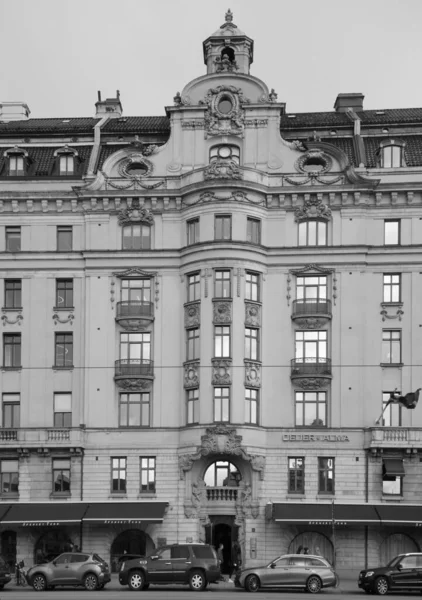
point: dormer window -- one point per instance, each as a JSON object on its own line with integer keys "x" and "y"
{"x": 66, "y": 161}
{"x": 226, "y": 152}
{"x": 16, "y": 161}
{"x": 67, "y": 166}
{"x": 391, "y": 154}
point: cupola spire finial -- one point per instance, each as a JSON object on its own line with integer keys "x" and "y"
{"x": 229, "y": 16}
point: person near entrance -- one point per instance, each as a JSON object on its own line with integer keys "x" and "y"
{"x": 220, "y": 559}
{"x": 235, "y": 560}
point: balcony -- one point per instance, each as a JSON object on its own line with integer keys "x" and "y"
{"x": 406, "y": 438}
{"x": 134, "y": 368}
{"x": 222, "y": 494}
{"x": 311, "y": 310}
{"x": 134, "y": 315}
{"x": 34, "y": 437}
{"x": 310, "y": 367}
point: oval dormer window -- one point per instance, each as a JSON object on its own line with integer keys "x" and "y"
{"x": 225, "y": 105}
{"x": 137, "y": 169}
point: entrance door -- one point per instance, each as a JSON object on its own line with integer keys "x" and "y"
{"x": 223, "y": 535}
{"x": 8, "y": 548}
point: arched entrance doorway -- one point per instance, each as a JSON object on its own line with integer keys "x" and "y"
{"x": 8, "y": 547}
{"x": 222, "y": 530}
{"x": 131, "y": 541}
{"x": 50, "y": 544}
{"x": 316, "y": 543}
{"x": 394, "y": 544}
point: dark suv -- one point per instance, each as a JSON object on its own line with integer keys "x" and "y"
{"x": 404, "y": 572}
{"x": 195, "y": 565}
{"x": 5, "y": 573}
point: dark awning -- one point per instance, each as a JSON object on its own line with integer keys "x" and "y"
{"x": 393, "y": 467}
{"x": 48, "y": 513}
{"x": 400, "y": 513}
{"x": 355, "y": 513}
{"x": 125, "y": 512}
{"x": 310, "y": 514}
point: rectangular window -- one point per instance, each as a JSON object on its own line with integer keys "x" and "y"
{"x": 392, "y": 487}
{"x": 326, "y": 475}
{"x": 118, "y": 474}
{"x": 221, "y": 341}
{"x": 67, "y": 164}
{"x": 192, "y": 399}
{"x": 194, "y": 287}
{"x": 223, "y": 227}
{"x": 221, "y": 404}
{"x": 312, "y": 288}
{"x": 311, "y": 346}
{"x": 391, "y": 346}
{"x": 63, "y": 410}
{"x": 313, "y": 233}
{"x": 16, "y": 166}
{"x": 63, "y": 356}
{"x": 9, "y": 477}
{"x": 147, "y": 474}
{"x": 392, "y": 416}
{"x": 11, "y": 411}
{"x": 392, "y": 288}
{"x": 252, "y": 287}
{"x": 64, "y": 293}
{"x": 251, "y": 406}
{"x": 222, "y": 287}
{"x": 253, "y": 231}
{"x": 137, "y": 237}
{"x": 192, "y": 344}
{"x": 296, "y": 475}
{"x": 136, "y": 291}
{"x": 135, "y": 350}
{"x": 13, "y": 239}
{"x": 391, "y": 157}
{"x": 311, "y": 409}
{"x": 61, "y": 475}
{"x": 12, "y": 350}
{"x": 64, "y": 238}
{"x": 251, "y": 343}
{"x": 192, "y": 230}
{"x": 134, "y": 409}
{"x": 12, "y": 293}
{"x": 391, "y": 232}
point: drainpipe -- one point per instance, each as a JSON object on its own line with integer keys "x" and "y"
{"x": 366, "y": 500}
{"x": 358, "y": 144}
{"x": 93, "y": 160}
{"x": 82, "y": 497}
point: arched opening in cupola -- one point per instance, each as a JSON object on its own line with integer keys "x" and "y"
{"x": 227, "y": 52}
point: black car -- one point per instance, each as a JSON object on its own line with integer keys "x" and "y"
{"x": 403, "y": 573}
{"x": 5, "y": 573}
{"x": 195, "y": 565}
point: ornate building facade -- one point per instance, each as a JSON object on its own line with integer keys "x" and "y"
{"x": 204, "y": 315}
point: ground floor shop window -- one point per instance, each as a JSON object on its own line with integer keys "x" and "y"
{"x": 316, "y": 543}
{"x": 50, "y": 545}
{"x": 395, "y": 544}
{"x": 128, "y": 544}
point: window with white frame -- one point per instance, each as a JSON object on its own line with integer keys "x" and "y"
{"x": 61, "y": 475}
{"x": 221, "y": 341}
{"x": 147, "y": 477}
{"x": 16, "y": 165}
{"x": 192, "y": 401}
{"x": 391, "y": 417}
{"x": 311, "y": 346}
{"x": 193, "y": 287}
{"x": 222, "y": 283}
{"x": 221, "y": 404}
{"x": 391, "y": 287}
{"x": 391, "y": 346}
{"x": 192, "y": 343}
{"x": 251, "y": 343}
{"x": 313, "y": 233}
{"x": 311, "y": 409}
{"x": 67, "y": 164}
{"x": 11, "y": 411}
{"x": 9, "y": 477}
{"x": 137, "y": 237}
{"x": 134, "y": 409}
{"x": 325, "y": 475}
{"x": 392, "y": 232}
{"x": 118, "y": 474}
{"x": 251, "y": 406}
{"x": 222, "y": 227}
{"x": 62, "y": 410}
{"x": 392, "y": 156}
{"x": 252, "y": 286}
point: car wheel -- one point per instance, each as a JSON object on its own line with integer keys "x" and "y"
{"x": 136, "y": 581}
{"x": 39, "y": 582}
{"x": 197, "y": 581}
{"x": 252, "y": 583}
{"x": 381, "y": 586}
{"x": 90, "y": 582}
{"x": 313, "y": 585}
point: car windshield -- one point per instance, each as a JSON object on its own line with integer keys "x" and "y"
{"x": 394, "y": 561}
{"x": 98, "y": 558}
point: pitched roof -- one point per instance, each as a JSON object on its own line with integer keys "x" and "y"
{"x": 412, "y": 149}
{"x": 389, "y": 116}
{"x": 138, "y": 125}
{"x": 51, "y": 126}
{"x": 41, "y": 160}
{"x": 107, "y": 151}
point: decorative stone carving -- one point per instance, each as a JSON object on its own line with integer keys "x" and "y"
{"x": 236, "y": 196}
{"x": 223, "y": 169}
{"x": 225, "y": 64}
{"x": 193, "y": 124}
{"x": 222, "y": 312}
{"x": 134, "y": 384}
{"x": 136, "y": 159}
{"x": 57, "y": 319}
{"x": 221, "y": 439}
{"x": 192, "y": 314}
{"x": 314, "y": 157}
{"x": 136, "y": 273}
{"x": 310, "y": 323}
{"x": 135, "y": 324}
{"x": 19, "y": 317}
{"x": 227, "y": 123}
{"x": 387, "y": 308}
{"x": 135, "y": 214}
{"x": 221, "y": 374}
{"x": 312, "y": 383}
{"x": 252, "y": 374}
{"x": 252, "y": 314}
{"x": 294, "y": 145}
{"x": 313, "y": 208}
{"x": 191, "y": 375}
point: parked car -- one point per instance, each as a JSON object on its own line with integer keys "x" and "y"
{"x": 71, "y": 568}
{"x": 403, "y": 572}
{"x": 289, "y": 571}
{"x": 195, "y": 565}
{"x": 5, "y": 573}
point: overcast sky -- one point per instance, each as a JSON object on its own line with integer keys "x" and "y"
{"x": 56, "y": 54}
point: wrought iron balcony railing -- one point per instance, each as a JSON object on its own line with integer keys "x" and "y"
{"x": 310, "y": 367}
{"x": 134, "y": 309}
{"x": 311, "y": 307}
{"x": 134, "y": 367}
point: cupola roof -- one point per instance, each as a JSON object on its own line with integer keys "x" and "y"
{"x": 228, "y": 28}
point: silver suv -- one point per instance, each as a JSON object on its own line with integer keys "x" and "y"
{"x": 71, "y": 568}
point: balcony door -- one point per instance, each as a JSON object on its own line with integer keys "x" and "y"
{"x": 311, "y": 347}
{"x": 135, "y": 348}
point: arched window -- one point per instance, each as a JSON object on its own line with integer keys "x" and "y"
{"x": 227, "y": 52}
{"x": 313, "y": 232}
{"x": 66, "y": 161}
{"x": 225, "y": 152}
{"x": 17, "y": 161}
{"x": 222, "y": 473}
{"x": 391, "y": 154}
{"x": 137, "y": 237}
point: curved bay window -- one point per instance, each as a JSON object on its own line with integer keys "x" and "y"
{"x": 313, "y": 232}
{"x": 225, "y": 152}
{"x": 222, "y": 473}
{"x": 137, "y": 237}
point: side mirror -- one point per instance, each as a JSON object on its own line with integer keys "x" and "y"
{"x": 272, "y": 565}
{"x": 155, "y": 557}
{"x": 54, "y": 563}
{"x": 399, "y": 567}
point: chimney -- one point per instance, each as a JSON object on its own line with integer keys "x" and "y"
{"x": 14, "y": 111}
{"x": 110, "y": 107}
{"x": 344, "y": 102}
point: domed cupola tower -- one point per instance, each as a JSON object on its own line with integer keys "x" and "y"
{"x": 228, "y": 49}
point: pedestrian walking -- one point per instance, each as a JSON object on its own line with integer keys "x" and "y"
{"x": 235, "y": 560}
